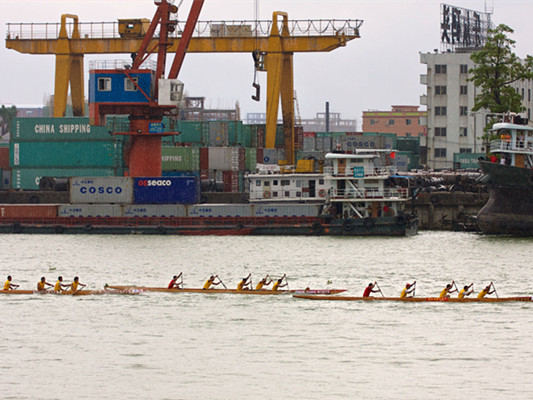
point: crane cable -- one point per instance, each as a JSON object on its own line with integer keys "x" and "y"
{"x": 255, "y": 53}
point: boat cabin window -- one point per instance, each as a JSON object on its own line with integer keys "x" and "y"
{"x": 258, "y": 183}
{"x": 266, "y": 183}
{"x": 298, "y": 183}
{"x": 287, "y": 193}
{"x": 285, "y": 182}
{"x": 104, "y": 84}
{"x": 275, "y": 182}
{"x": 321, "y": 181}
{"x": 130, "y": 84}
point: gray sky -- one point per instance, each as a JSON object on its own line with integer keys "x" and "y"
{"x": 378, "y": 70}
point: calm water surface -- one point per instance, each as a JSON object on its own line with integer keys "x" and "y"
{"x": 196, "y": 346}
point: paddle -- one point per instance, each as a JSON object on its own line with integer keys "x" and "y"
{"x": 456, "y": 289}
{"x": 79, "y": 290}
{"x": 220, "y": 280}
{"x": 286, "y": 281}
{"x": 495, "y": 292}
{"x": 380, "y": 290}
{"x": 414, "y": 289}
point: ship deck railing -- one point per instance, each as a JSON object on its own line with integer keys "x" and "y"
{"x": 510, "y": 146}
{"x": 387, "y": 194}
{"x": 355, "y": 172}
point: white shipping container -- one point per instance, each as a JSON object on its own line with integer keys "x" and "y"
{"x": 90, "y": 210}
{"x": 101, "y": 190}
{"x": 224, "y": 158}
{"x": 220, "y": 210}
{"x": 286, "y": 210}
{"x": 155, "y": 210}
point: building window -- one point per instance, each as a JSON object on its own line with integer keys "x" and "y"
{"x": 440, "y": 152}
{"x": 463, "y": 132}
{"x": 529, "y": 95}
{"x": 522, "y": 93}
{"x": 130, "y": 85}
{"x": 467, "y": 150}
{"x": 440, "y": 90}
{"x": 408, "y": 134}
{"x": 440, "y": 131}
{"x": 373, "y": 121}
{"x": 407, "y": 122}
{"x": 390, "y": 122}
{"x": 463, "y": 110}
{"x": 463, "y": 69}
{"x": 440, "y": 110}
{"x": 104, "y": 84}
{"x": 463, "y": 89}
{"x": 440, "y": 69}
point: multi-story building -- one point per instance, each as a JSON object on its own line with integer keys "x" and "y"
{"x": 404, "y": 121}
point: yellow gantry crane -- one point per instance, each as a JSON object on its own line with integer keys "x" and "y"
{"x": 273, "y": 44}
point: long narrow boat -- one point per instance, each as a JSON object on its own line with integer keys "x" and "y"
{"x": 72, "y": 293}
{"x": 221, "y": 291}
{"x": 417, "y": 299}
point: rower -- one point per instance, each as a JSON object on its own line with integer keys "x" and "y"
{"x": 278, "y": 284}
{"x": 370, "y": 289}
{"x": 406, "y": 290}
{"x": 466, "y": 291}
{"x": 263, "y": 282}
{"x": 42, "y": 284}
{"x": 174, "y": 282}
{"x": 445, "y": 293}
{"x": 75, "y": 283}
{"x": 8, "y": 285}
{"x": 485, "y": 292}
{"x": 60, "y": 286}
{"x": 211, "y": 281}
{"x": 244, "y": 284}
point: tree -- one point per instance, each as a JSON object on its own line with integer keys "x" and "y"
{"x": 496, "y": 68}
{"x": 6, "y": 117}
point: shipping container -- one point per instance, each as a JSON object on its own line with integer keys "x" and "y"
{"x": 180, "y": 158}
{"x": 352, "y": 143}
{"x": 6, "y": 179}
{"x": 467, "y": 160}
{"x": 4, "y": 156}
{"x": 309, "y": 141}
{"x": 101, "y": 190}
{"x": 167, "y": 190}
{"x": 218, "y": 133}
{"x": 181, "y": 173}
{"x": 226, "y": 158}
{"x": 286, "y": 210}
{"x": 250, "y": 159}
{"x": 272, "y": 156}
{"x": 190, "y": 132}
{"x": 155, "y": 210}
{"x": 403, "y": 160}
{"x": 231, "y": 181}
{"x": 90, "y": 210}
{"x": 29, "y": 178}
{"x": 58, "y": 129}
{"x": 323, "y": 141}
{"x": 66, "y": 154}
{"x": 411, "y": 144}
{"x": 28, "y": 211}
{"x": 220, "y": 210}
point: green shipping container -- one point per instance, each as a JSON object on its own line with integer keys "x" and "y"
{"x": 58, "y": 129}
{"x": 29, "y": 178}
{"x": 250, "y": 159}
{"x": 411, "y": 144}
{"x": 66, "y": 154}
{"x": 180, "y": 158}
{"x": 466, "y": 160}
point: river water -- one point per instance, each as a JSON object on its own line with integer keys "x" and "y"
{"x": 198, "y": 346}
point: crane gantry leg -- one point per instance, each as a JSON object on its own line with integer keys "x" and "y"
{"x": 280, "y": 82}
{"x": 69, "y": 70}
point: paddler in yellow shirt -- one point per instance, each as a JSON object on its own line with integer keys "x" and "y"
{"x": 407, "y": 290}
{"x": 211, "y": 281}
{"x": 74, "y": 285}
{"x": 485, "y": 292}
{"x": 42, "y": 284}
{"x": 60, "y": 286}
{"x": 278, "y": 285}
{"x": 445, "y": 294}
{"x": 244, "y": 284}
{"x": 465, "y": 291}
{"x": 8, "y": 285}
{"x": 263, "y": 282}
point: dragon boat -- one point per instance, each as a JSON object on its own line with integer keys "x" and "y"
{"x": 72, "y": 293}
{"x": 231, "y": 291}
{"x": 417, "y": 299}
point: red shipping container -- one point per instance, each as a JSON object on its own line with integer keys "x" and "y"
{"x": 242, "y": 159}
{"x": 260, "y": 155}
{"x": 231, "y": 181}
{"x": 204, "y": 158}
{"x": 28, "y": 211}
{"x": 4, "y": 157}
{"x": 261, "y": 136}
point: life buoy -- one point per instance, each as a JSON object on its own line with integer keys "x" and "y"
{"x": 161, "y": 230}
{"x": 266, "y": 194}
{"x": 88, "y": 227}
{"x": 322, "y": 192}
{"x": 317, "y": 229}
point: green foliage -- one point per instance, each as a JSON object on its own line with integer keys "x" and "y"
{"x": 6, "y": 117}
{"x": 496, "y": 68}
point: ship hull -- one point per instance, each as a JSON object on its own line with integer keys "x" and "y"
{"x": 509, "y": 209}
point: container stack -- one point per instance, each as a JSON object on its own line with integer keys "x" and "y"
{"x": 61, "y": 147}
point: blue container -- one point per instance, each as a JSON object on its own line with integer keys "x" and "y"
{"x": 114, "y": 86}
{"x": 167, "y": 190}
